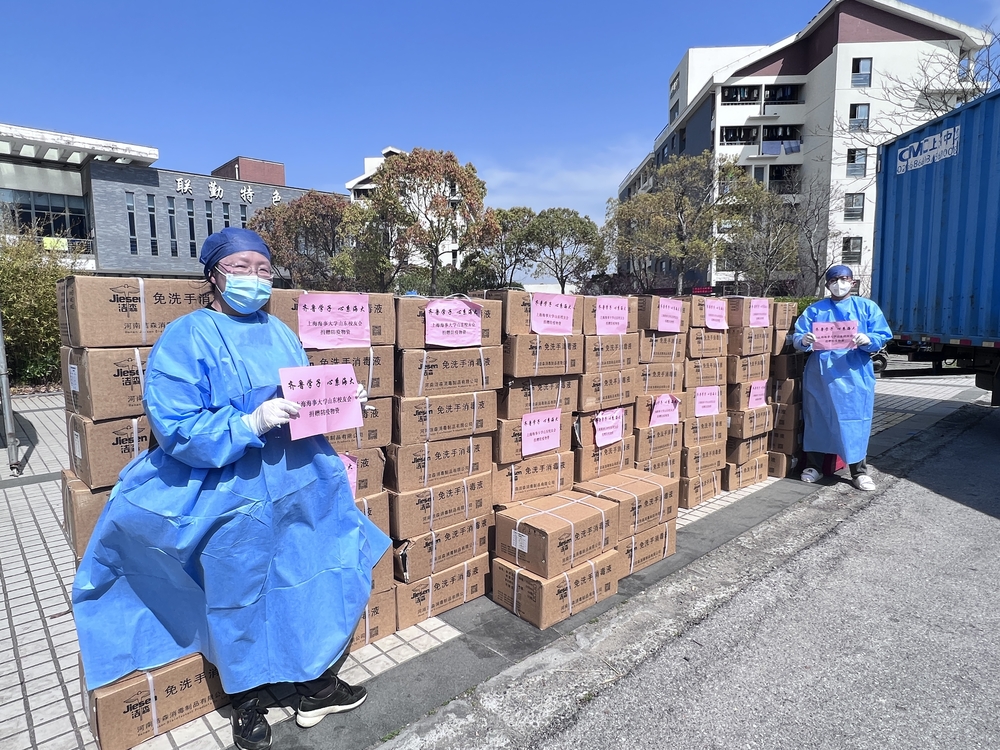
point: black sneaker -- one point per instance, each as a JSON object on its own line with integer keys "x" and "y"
{"x": 250, "y": 729}
{"x": 342, "y": 697}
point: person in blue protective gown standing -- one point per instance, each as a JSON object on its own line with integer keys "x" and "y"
{"x": 229, "y": 538}
{"x": 838, "y": 396}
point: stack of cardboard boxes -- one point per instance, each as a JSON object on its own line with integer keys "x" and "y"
{"x": 785, "y": 457}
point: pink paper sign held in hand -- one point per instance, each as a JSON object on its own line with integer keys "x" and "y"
{"x": 609, "y": 427}
{"x": 552, "y": 313}
{"x": 540, "y": 431}
{"x": 328, "y": 395}
{"x": 758, "y": 393}
{"x": 453, "y": 322}
{"x": 334, "y": 321}
{"x": 351, "y": 467}
{"x": 715, "y": 314}
{"x": 706, "y": 400}
{"x": 670, "y": 315}
{"x": 838, "y": 334}
{"x": 612, "y": 316}
{"x": 666, "y": 410}
{"x": 760, "y": 313}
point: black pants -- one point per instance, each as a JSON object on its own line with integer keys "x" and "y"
{"x": 310, "y": 688}
{"x": 815, "y": 460}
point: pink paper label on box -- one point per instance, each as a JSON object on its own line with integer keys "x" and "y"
{"x": 327, "y": 395}
{"x": 760, "y": 313}
{"x": 715, "y": 314}
{"x": 706, "y": 400}
{"x": 334, "y": 321}
{"x": 453, "y": 322}
{"x": 552, "y": 313}
{"x": 612, "y": 316}
{"x": 838, "y": 334}
{"x": 670, "y": 315}
{"x": 666, "y": 410}
{"x": 351, "y": 467}
{"x": 609, "y": 426}
{"x": 758, "y": 393}
{"x": 540, "y": 431}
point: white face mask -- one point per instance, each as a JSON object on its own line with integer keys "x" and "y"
{"x": 840, "y": 287}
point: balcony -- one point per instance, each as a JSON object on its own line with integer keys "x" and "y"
{"x": 783, "y": 187}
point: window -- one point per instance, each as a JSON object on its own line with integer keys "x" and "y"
{"x": 854, "y": 207}
{"x": 783, "y": 179}
{"x": 57, "y": 206}
{"x": 758, "y": 174}
{"x": 852, "y": 250}
{"x": 740, "y": 94}
{"x": 192, "y": 239}
{"x": 738, "y": 135}
{"x": 77, "y": 209}
{"x": 675, "y": 83}
{"x": 43, "y": 218}
{"x": 857, "y": 161}
{"x": 859, "y": 117}
{"x": 209, "y": 217}
{"x": 682, "y": 134}
{"x": 225, "y": 214}
{"x": 243, "y": 215}
{"x": 861, "y": 72}
{"x": 154, "y": 247}
{"x": 782, "y": 133}
{"x": 454, "y": 258}
{"x": 674, "y": 111}
{"x": 133, "y": 241}
{"x": 782, "y": 94}
{"x": 172, "y": 221}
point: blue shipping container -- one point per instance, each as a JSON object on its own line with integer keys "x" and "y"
{"x": 937, "y": 227}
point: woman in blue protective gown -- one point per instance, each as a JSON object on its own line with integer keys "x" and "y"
{"x": 838, "y": 395}
{"x": 229, "y": 538}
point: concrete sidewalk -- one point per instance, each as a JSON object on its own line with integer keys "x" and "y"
{"x": 409, "y": 674}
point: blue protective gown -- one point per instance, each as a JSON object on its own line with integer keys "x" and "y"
{"x": 247, "y": 549}
{"x": 838, "y": 394}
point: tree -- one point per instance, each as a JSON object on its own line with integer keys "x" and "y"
{"x": 509, "y": 250}
{"x": 814, "y": 221}
{"x": 304, "y": 238}
{"x": 568, "y": 246}
{"x": 439, "y": 202}
{"x": 378, "y": 248}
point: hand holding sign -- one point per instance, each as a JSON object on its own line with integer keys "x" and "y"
{"x": 837, "y": 334}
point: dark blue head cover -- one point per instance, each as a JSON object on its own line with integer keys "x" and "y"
{"x": 835, "y": 272}
{"x": 229, "y": 241}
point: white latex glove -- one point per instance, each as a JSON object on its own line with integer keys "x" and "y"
{"x": 270, "y": 414}
{"x": 861, "y": 339}
{"x": 808, "y": 339}
{"x": 362, "y": 395}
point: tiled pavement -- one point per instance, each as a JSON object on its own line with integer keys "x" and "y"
{"x": 40, "y": 705}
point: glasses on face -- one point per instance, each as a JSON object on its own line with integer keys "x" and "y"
{"x": 239, "y": 269}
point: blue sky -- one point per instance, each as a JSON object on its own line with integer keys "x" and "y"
{"x": 554, "y": 102}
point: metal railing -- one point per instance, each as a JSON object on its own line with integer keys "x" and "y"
{"x": 861, "y": 80}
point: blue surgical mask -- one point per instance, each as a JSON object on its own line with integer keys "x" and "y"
{"x": 246, "y": 294}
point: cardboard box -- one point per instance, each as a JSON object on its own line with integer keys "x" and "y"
{"x": 516, "y": 315}
{"x": 378, "y": 621}
{"x": 750, "y": 423}
{"x": 737, "y": 477}
{"x": 781, "y": 342}
{"x": 431, "y": 418}
{"x": 701, "y": 459}
{"x": 603, "y": 390}
{"x": 649, "y": 547}
{"x": 549, "y": 535}
{"x": 740, "y": 451}
{"x": 739, "y": 309}
{"x": 667, "y": 466}
{"x": 421, "y": 556}
{"x": 643, "y": 502}
{"x": 376, "y": 432}
{"x": 661, "y": 378}
{"x": 412, "y": 467}
{"x": 525, "y": 395}
{"x": 747, "y": 369}
{"x": 532, "y": 355}
{"x": 697, "y": 310}
{"x": 98, "y": 451}
{"x": 433, "y": 372}
{"x": 382, "y": 577}
{"x": 584, "y": 431}
{"x": 698, "y": 489}
{"x": 746, "y": 341}
{"x": 545, "y": 602}
{"x": 603, "y": 353}
{"x": 411, "y": 322}
{"x": 738, "y": 394}
{"x": 376, "y": 507}
{"x": 82, "y": 507}
{"x": 787, "y": 416}
{"x": 705, "y": 343}
{"x": 656, "y": 441}
{"x": 782, "y": 465}
{"x": 107, "y": 311}
{"x": 689, "y": 403}
{"x": 783, "y": 315}
{"x": 121, "y": 716}
{"x": 662, "y": 348}
{"x": 590, "y": 314}
{"x": 648, "y": 308}
{"x": 644, "y": 407}
{"x": 704, "y": 430}
{"x": 593, "y": 462}
{"x": 785, "y": 391}
{"x": 507, "y": 443}
{"x": 788, "y": 366}
{"x": 373, "y": 366}
{"x": 438, "y": 593}
{"x": 284, "y": 305}
{"x": 104, "y": 383}
{"x": 788, "y": 442}
{"x": 702, "y": 372}
{"x": 431, "y": 508}
{"x": 371, "y": 469}
{"x": 533, "y": 477}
